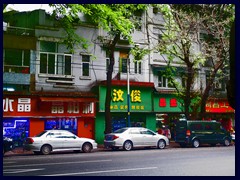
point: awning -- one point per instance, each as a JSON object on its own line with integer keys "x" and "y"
{"x": 66, "y": 99}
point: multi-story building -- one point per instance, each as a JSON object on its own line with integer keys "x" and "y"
{"x": 46, "y": 85}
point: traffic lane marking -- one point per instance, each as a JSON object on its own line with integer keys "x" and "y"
{"x": 48, "y": 164}
{"x": 105, "y": 171}
{"x": 14, "y": 171}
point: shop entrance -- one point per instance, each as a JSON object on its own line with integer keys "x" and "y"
{"x": 87, "y": 130}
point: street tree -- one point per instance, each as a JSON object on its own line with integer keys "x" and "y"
{"x": 180, "y": 35}
{"x": 116, "y": 19}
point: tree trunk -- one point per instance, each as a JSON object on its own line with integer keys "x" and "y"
{"x": 108, "y": 117}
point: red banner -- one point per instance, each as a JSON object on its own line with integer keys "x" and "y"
{"x": 217, "y": 106}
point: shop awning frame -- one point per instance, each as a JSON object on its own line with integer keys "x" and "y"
{"x": 67, "y": 99}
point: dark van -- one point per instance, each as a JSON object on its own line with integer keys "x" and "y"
{"x": 197, "y": 132}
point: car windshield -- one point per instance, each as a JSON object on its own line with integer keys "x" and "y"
{"x": 120, "y": 130}
{"x": 40, "y": 134}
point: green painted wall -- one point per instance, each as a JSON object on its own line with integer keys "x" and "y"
{"x": 149, "y": 118}
{"x": 99, "y": 127}
{"x": 167, "y": 108}
{"x": 151, "y": 122}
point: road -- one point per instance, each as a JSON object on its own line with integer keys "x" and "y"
{"x": 202, "y": 161}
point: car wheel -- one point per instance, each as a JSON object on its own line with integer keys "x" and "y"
{"x": 87, "y": 147}
{"x": 196, "y": 143}
{"x": 127, "y": 146}
{"x": 226, "y": 142}
{"x": 46, "y": 149}
{"x": 161, "y": 144}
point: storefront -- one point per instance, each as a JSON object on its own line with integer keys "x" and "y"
{"x": 219, "y": 109}
{"x": 141, "y": 109}
{"x": 168, "y": 110}
{"x": 25, "y": 116}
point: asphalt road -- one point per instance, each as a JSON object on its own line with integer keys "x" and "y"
{"x": 202, "y": 161}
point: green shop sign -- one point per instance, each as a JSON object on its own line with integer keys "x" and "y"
{"x": 140, "y": 99}
{"x": 167, "y": 103}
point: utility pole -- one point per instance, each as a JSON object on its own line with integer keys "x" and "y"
{"x": 128, "y": 93}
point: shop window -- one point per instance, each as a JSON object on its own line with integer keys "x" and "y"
{"x": 162, "y": 102}
{"x": 69, "y": 124}
{"x": 17, "y": 129}
{"x": 173, "y": 102}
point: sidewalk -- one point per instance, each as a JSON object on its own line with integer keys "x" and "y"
{"x": 20, "y": 151}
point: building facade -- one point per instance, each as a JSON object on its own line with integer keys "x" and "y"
{"x": 45, "y": 85}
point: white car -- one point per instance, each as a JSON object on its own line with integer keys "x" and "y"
{"x": 58, "y": 140}
{"x": 233, "y": 136}
{"x": 130, "y": 137}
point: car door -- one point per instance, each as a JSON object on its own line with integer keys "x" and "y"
{"x": 55, "y": 139}
{"x": 71, "y": 141}
{"x": 136, "y": 137}
{"x": 149, "y": 137}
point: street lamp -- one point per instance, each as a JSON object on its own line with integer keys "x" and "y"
{"x": 128, "y": 93}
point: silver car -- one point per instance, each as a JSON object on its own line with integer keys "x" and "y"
{"x": 58, "y": 140}
{"x": 130, "y": 137}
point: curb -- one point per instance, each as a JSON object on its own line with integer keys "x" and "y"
{"x": 19, "y": 151}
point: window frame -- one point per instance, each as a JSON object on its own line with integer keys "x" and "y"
{"x": 53, "y": 69}
{"x": 21, "y": 67}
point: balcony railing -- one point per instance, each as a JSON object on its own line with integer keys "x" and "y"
{"x": 19, "y": 31}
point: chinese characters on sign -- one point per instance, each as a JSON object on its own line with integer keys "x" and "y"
{"x": 24, "y": 105}
{"x": 135, "y": 98}
{"x": 72, "y": 108}
{"x": 28, "y": 105}
{"x": 163, "y": 102}
{"x": 218, "y": 106}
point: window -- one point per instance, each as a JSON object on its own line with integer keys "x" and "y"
{"x": 147, "y": 132}
{"x": 107, "y": 63}
{"x": 138, "y": 23}
{"x": 123, "y": 65}
{"x": 138, "y": 67}
{"x": 134, "y": 131}
{"x": 85, "y": 65}
{"x": 194, "y": 127}
{"x": 160, "y": 36}
{"x": 55, "y": 63}
{"x": 52, "y": 61}
{"x": 218, "y": 84}
{"x": 16, "y": 60}
{"x": 164, "y": 82}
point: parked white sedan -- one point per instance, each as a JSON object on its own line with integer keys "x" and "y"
{"x": 58, "y": 140}
{"x": 130, "y": 137}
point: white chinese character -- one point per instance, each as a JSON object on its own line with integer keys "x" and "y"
{"x": 8, "y": 104}
{"x": 24, "y": 105}
{"x": 73, "y": 108}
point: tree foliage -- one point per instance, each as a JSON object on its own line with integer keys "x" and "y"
{"x": 181, "y": 35}
{"x": 116, "y": 19}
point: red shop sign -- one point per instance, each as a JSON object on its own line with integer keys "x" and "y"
{"x": 218, "y": 107}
